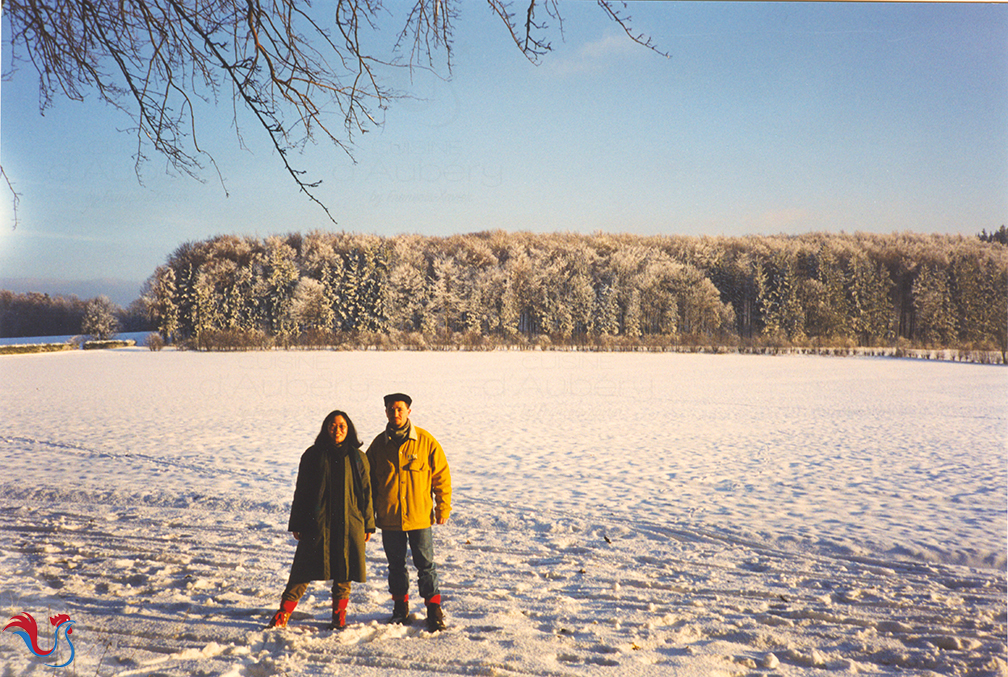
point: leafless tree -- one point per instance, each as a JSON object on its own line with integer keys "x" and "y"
{"x": 303, "y": 77}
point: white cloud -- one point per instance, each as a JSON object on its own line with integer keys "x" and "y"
{"x": 593, "y": 57}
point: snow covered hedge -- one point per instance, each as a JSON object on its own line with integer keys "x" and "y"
{"x": 110, "y": 343}
{"x": 23, "y": 349}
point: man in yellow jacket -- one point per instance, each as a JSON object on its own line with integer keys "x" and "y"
{"x": 411, "y": 485}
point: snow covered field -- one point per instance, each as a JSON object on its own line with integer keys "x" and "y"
{"x": 615, "y": 514}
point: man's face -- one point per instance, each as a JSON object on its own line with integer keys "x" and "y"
{"x": 397, "y": 413}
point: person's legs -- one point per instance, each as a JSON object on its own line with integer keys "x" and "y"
{"x": 288, "y": 602}
{"x": 294, "y": 592}
{"x": 394, "y": 544}
{"x": 422, "y": 548}
{"x": 340, "y": 598}
{"x": 341, "y": 590}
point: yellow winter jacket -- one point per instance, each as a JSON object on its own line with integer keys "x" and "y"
{"x": 411, "y": 483}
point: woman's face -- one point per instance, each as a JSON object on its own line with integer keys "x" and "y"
{"x": 338, "y": 429}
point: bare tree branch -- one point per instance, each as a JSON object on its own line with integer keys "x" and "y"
{"x": 428, "y": 28}
{"x": 14, "y": 194}
{"x": 624, "y": 23}
{"x": 289, "y": 68}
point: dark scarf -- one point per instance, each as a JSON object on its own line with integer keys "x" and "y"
{"x": 336, "y": 451}
{"x": 398, "y": 434}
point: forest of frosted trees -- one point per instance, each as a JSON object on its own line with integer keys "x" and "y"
{"x": 601, "y": 290}
{"x": 35, "y": 314}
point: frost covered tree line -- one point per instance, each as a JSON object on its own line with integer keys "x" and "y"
{"x": 601, "y": 290}
{"x": 35, "y": 314}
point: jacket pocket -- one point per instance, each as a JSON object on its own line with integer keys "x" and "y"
{"x": 417, "y": 464}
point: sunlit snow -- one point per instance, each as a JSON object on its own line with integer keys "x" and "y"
{"x": 614, "y": 513}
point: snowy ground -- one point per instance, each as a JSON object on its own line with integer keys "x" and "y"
{"x": 615, "y": 514}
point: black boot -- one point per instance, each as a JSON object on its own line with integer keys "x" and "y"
{"x": 400, "y": 613}
{"x": 435, "y": 617}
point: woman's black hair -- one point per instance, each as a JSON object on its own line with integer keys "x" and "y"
{"x": 325, "y": 439}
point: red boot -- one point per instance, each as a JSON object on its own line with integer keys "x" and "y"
{"x": 281, "y": 617}
{"x": 338, "y": 614}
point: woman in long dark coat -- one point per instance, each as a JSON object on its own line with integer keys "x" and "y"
{"x": 331, "y": 518}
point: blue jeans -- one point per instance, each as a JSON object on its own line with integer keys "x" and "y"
{"x": 421, "y": 545}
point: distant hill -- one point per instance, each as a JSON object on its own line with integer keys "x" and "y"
{"x": 121, "y": 292}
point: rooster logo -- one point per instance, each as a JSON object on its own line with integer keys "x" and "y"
{"x": 24, "y": 625}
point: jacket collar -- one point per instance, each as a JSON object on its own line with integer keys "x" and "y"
{"x": 411, "y": 436}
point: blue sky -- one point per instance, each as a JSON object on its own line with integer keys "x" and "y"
{"x": 765, "y": 118}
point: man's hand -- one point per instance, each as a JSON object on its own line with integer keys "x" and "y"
{"x": 367, "y": 536}
{"x": 297, "y": 535}
{"x": 442, "y": 520}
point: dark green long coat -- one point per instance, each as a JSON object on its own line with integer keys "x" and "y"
{"x": 332, "y": 515}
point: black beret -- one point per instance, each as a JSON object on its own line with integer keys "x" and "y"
{"x": 398, "y": 397}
